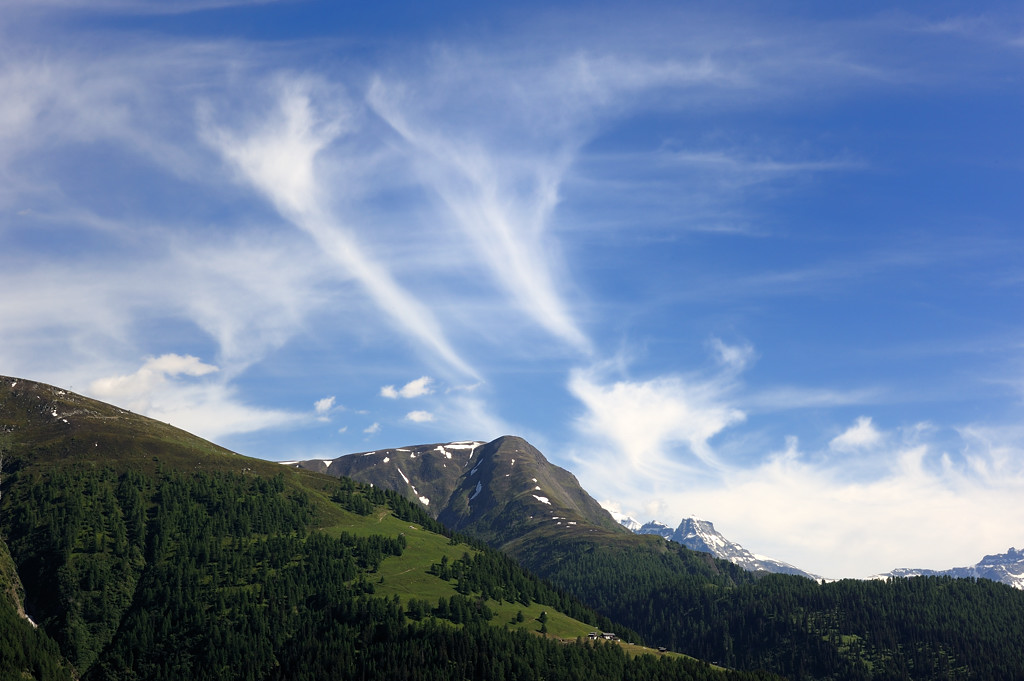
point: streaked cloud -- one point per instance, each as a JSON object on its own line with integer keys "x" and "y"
{"x": 502, "y": 203}
{"x": 419, "y": 416}
{"x": 789, "y": 397}
{"x": 277, "y": 157}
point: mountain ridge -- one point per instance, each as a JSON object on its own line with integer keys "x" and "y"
{"x": 500, "y": 491}
{"x": 148, "y": 551}
{"x": 1007, "y": 568}
{"x": 440, "y": 476}
{"x": 701, "y": 535}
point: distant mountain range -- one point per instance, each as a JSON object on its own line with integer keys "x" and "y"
{"x": 701, "y": 535}
{"x": 506, "y": 493}
{"x": 1007, "y": 568}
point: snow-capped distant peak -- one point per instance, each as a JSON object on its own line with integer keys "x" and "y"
{"x": 626, "y": 521}
{"x": 1007, "y": 568}
{"x": 701, "y": 535}
{"x": 630, "y": 523}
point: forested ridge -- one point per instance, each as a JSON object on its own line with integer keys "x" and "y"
{"x": 145, "y": 553}
{"x": 220, "y": 575}
{"x": 900, "y": 628}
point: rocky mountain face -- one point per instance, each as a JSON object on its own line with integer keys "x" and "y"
{"x": 425, "y": 473}
{"x": 701, "y": 535}
{"x": 1007, "y": 568}
{"x": 498, "y": 491}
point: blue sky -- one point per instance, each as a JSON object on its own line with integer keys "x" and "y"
{"x": 758, "y": 263}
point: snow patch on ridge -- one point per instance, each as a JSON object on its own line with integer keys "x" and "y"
{"x": 464, "y": 444}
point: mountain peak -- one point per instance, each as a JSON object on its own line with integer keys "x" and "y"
{"x": 1007, "y": 568}
{"x": 630, "y": 523}
{"x": 701, "y": 535}
{"x": 501, "y": 490}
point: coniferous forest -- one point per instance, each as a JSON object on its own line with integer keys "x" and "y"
{"x": 899, "y": 628}
{"x": 221, "y": 576}
{"x": 132, "y": 550}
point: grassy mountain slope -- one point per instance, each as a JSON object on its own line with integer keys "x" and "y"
{"x": 504, "y": 492}
{"x": 929, "y": 628}
{"x": 146, "y": 553}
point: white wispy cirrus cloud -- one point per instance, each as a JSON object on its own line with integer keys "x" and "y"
{"x": 503, "y": 204}
{"x": 277, "y": 156}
